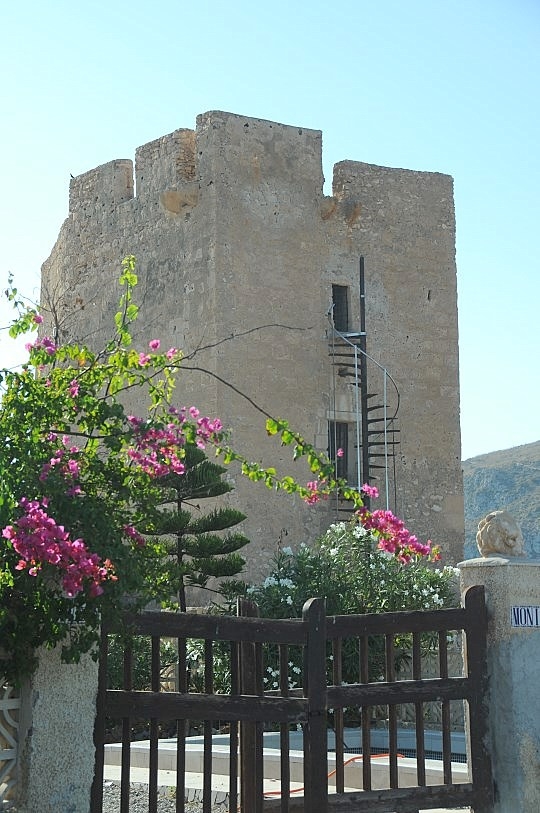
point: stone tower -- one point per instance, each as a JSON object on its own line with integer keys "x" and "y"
{"x": 248, "y": 267}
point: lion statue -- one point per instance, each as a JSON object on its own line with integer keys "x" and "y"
{"x": 499, "y": 535}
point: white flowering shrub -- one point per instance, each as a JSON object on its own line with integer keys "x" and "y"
{"x": 349, "y": 567}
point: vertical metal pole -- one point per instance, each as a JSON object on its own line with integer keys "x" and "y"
{"x": 333, "y": 429}
{"x": 385, "y": 415}
{"x": 363, "y": 381}
{"x": 357, "y": 383}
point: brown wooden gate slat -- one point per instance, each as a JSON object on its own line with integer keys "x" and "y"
{"x": 168, "y": 705}
{"x": 250, "y": 778}
{"x": 419, "y": 714}
{"x": 315, "y": 732}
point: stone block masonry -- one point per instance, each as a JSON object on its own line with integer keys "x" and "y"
{"x": 235, "y": 240}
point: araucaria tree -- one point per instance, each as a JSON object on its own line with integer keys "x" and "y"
{"x": 80, "y": 480}
{"x": 194, "y": 540}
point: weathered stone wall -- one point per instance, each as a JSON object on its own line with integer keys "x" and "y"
{"x": 235, "y": 240}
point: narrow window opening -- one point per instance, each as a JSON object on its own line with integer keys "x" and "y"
{"x": 340, "y": 303}
{"x": 338, "y": 446}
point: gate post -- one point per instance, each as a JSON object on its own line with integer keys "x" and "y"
{"x": 512, "y": 588}
{"x": 315, "y": 730}
{"x": 56, "y": 757}
{"x": 251, "y": 751}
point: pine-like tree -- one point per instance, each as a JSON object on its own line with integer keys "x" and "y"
{"x": 195, "y": 542}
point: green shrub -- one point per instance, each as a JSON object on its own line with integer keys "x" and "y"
{"x": 141, "y": 660}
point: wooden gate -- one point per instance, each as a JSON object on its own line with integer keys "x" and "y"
{"x": 263, "y": 660}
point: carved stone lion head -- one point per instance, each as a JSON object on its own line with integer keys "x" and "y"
{"x": 499, "y": 535}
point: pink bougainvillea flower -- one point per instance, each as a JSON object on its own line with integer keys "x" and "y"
{"x": 37, "y": 319}
{"x": 73, "y": 468}
{"x": 340, "y": 453}
{"x": 159, "y": 450}
{"x": 154, "y": 344}
{"x": 134, "y": 534}
{"x": 40, "y": 541}
{"x": 394, "y": 537}
{"x": 370, "y": 491}
{"x": 207, "y": 428}
{"x": 314, "y": 496}
{"x": 46, "y": 343}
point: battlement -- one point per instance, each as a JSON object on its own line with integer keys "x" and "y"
{"x": 166, "y": 164}
{"x": 173, "y": 167}
{"x": 256, "y": 160}
{"x": 389, "y": 197}
{"x": 109, "y": 185}
{"x": 161, "y": 167}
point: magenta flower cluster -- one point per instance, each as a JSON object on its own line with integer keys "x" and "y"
{"x": 63, "y": 459}
{"x": 315, "y": 492}
{"x": 45, "y": 343}
{"x": 207, "y": 429}
{"x": 158, "y": 451}
{"x": 154, "y": 345}
{"x": 370, "y": 491}
{"x": 134, "y": 535}
{"x": 394, "y": 537}
{"x": 39, "y": 541}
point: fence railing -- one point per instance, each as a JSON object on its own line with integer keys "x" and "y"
{"x": 288, "y": 673}
{"x": 10, "y": 703}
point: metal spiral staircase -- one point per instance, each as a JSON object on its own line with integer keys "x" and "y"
{"x": 373, "y": 397}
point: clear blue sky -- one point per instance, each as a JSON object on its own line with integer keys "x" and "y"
{"x": 448, "y": 87}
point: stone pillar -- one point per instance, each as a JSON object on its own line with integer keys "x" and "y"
{"x": 57, "y": 755}
{"x": 513, "y": 654}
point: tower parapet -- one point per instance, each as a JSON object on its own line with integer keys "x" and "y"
{"x": 102, "y": 188}
{"x": 168, "y": 164}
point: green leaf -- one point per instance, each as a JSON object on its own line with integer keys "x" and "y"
{"x": 287, "y": 437}
{"x": 271, "y": 426}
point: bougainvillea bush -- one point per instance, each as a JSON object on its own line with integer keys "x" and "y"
{"x": 80, "y": 482}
